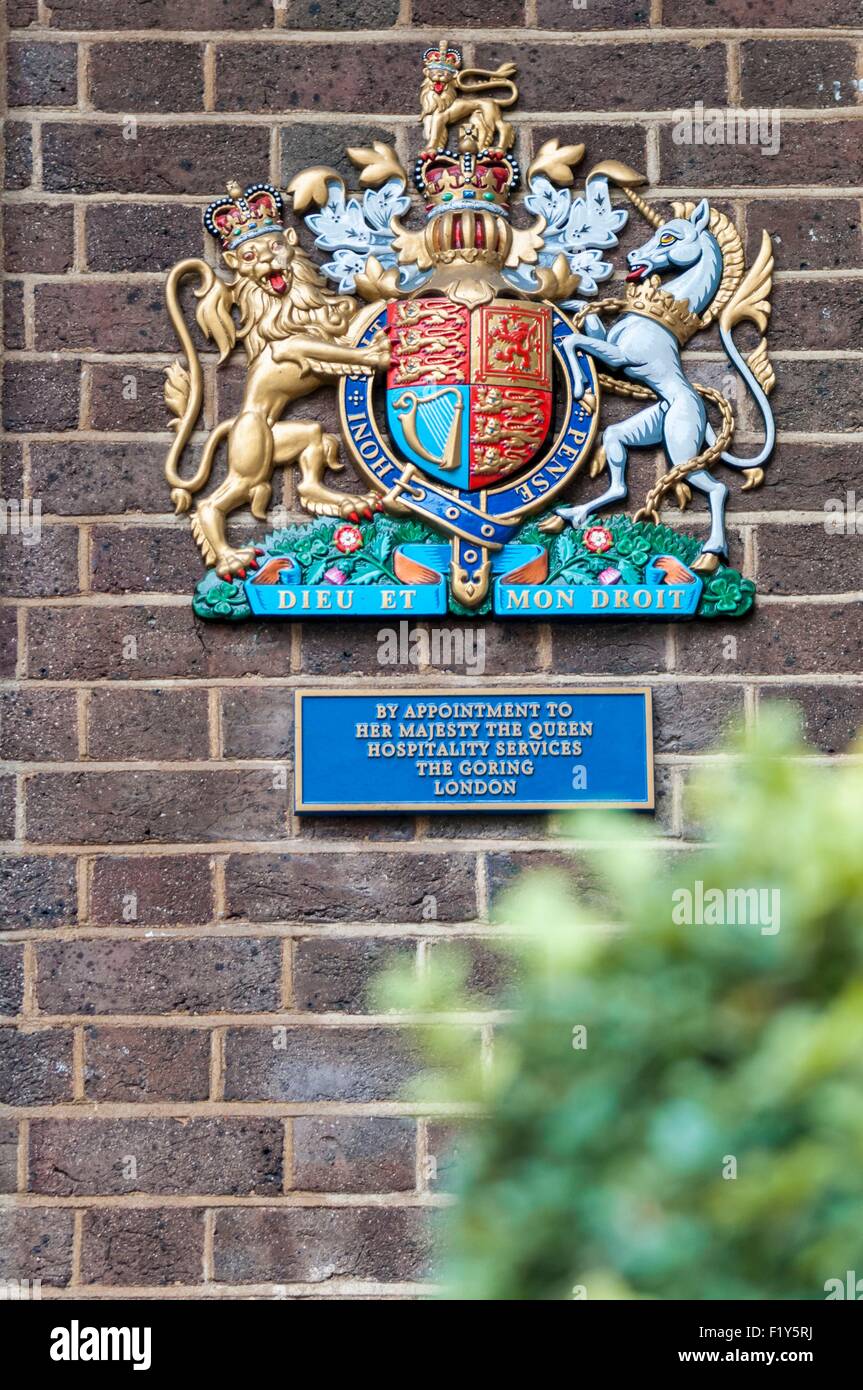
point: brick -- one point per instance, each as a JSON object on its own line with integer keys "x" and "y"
{"x": 383, "y": 828}
{"x": 377, "y": 888}
{"x": 332, "y": 976}
{"x": 632, "y": 649}
{"x": 152, "y": 724}
{"x": 831, "y": 715}
{"x": 831, "y": 401}
{"x": 446, "y": 1145}
{"x": 332, "y": 647}
{"x": 304, "y": 145}
{"x": 317, "y": 1064}
{"x": 140, "y": 643}
{"x": 777, "y": 72}
{"x": 314, "y": 1244}
{"x": 127, "y": 396}
{"x": 161, "y": 14}
{"x": 38, "y": 239}
{"x": 37, "y": 891}
{"x": 135, "y": 236}
{"x": 11, "y": 979}
{"x": 473, "y": 13}
{"x": 42, "y": 570}
{"x": 7, "y": 808}
{"x": 42, "y": 74}
{"x": 150, "y": 977}
{"x": 36, "y": 1244}
{"x": 691, "y": 718}
{"x": 38, "y": 725}
{"x": 617, "y": 76}
{"x": 832, "y": 147}
{"x": 505, "y": 867}
{"x": 342, "y": 14}
{"x": 142, "y": 1246}
{"x": 11, "y": 470}
{"x": 147, "y": 1064}
{"x": 752, "y": 14}
{"x": 151, "y": 890}
{"x": 14, "y": 331}
{"x": 39, "y": 396}
{"x": 90, "y": 1157}
{"x": 257, "y": 723}
{"x": 153, "y": 807}
{"x": 490, "y": 973}
{"x": 8, "y": 1156}
{"x": 354, "y": 1155}
{"x": 147, "y": 76}
{"x": 21, "y": 13}
{"x": 18, "y": 155}
{"x": 822, "y": 316}
{"x": 8, "y": 641}
{"x": 627, "y": 143}
{"x": 807, "y": 234}
{"x": 88, "y": 478}
{"x": 110, "y": 317}
{"x": 95, "y": 158}
{"x": 780, "y": 641}
{"x": 140, "y": 560}
{"x": 599, "y": 14}
{"x": 35, "y": 1067}
{"x": 319, "y": 76}
{"x": 803, "y": 477}
{"x": 803, "y": 560}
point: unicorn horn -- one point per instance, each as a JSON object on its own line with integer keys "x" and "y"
{"x": 626, "y": 178}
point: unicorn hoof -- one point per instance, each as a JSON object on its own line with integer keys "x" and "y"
{"x": 552, "y": 524}
{"x": 707, "y": 562}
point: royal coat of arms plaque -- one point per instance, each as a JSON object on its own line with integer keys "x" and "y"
{"x": 463, "y": 327}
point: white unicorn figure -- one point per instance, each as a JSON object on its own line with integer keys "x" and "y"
{"x": 702, "y": 246}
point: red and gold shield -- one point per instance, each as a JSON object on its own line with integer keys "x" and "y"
{"x": 469, "y": 392}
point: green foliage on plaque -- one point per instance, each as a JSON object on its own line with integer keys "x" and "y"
{"x": 220, "y": 598}
{"x": 674, "y": 1109}
{"x": 334, "y": 552}
{"x": 625, "y": 548}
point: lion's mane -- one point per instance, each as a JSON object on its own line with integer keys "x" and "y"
{"x": 308, "y": 307}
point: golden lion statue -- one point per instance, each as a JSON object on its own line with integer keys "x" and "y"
{"x": 293, "y": 331}
{"x": 449, "y": 96}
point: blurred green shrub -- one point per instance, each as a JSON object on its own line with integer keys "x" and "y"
{"x": 674, "y": 1109}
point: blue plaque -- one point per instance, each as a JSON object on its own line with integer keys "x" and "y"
{"x": 471, "y": 749}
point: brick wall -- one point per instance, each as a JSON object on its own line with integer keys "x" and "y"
{"x": 195, "y": 1095}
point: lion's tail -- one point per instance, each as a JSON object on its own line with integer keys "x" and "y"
{"x": 184, "y": 389}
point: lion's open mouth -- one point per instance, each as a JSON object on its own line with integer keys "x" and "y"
{"x": 277, "y": 281}
{"x": 638, "y": 272}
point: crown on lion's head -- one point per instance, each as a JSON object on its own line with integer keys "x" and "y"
{"x": 276, "y": 287}
{"x": 442, "y": 60}
{"x": 245, "y": 214}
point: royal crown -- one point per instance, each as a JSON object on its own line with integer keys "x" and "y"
{"x": 442, "y": 57}
{"x": 244, "y": 214}
{"x": 467, "y": 203}
{"x": 468, "y": 180}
